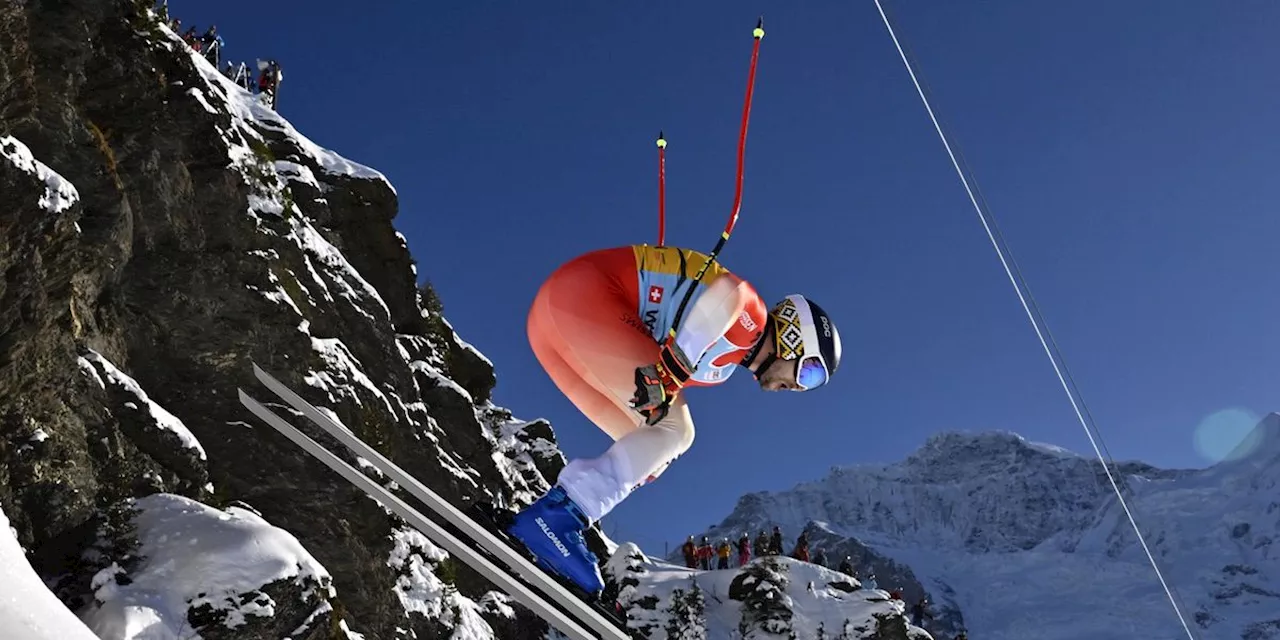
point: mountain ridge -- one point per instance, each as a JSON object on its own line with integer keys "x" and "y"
{"x": 994, "y": 503}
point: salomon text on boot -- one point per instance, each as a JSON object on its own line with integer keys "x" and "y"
{"x": 551, "y": 529}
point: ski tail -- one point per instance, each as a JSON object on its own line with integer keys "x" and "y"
{"x": 491, "y": 554}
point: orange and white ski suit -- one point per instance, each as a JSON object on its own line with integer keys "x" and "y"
{"x": 602, "y": 315}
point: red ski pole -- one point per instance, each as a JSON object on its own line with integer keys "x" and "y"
{"x": 662, "y": 189}
{"x": 742, "y": 137}
{"x": 758, "y": 34}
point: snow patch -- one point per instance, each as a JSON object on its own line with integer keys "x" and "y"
{"x": 194, "y": 554}
{"x": 162, "y": 418}
{"x": 59, "y": 193}
{"x": 420, "y": 591}
{"x": 346, "y": 368}
{"x": 440, "y": 379}
{"x": 807, "y": 595}
{"x": 196, "y": 93}
{"x": 297, "y": 173}
{"x": 279, "y": 295}
{"x": 314, "y": 244}
{"x": 467, "y": 346}
{"x": 498, "y": 603}
{"x": 513, "y": 455}
{"x": 417, "y": 587}
{"x": 28, "y": 610}
{"x": 315, "y": 277}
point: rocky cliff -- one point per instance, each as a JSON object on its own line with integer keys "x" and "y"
{"x": 160, "y": 229}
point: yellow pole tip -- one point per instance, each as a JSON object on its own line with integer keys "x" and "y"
{"x": 662, "y": 144}
{"x": 758, "y": 33}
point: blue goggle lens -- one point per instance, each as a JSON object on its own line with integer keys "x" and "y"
{"x": 811, "y": 373}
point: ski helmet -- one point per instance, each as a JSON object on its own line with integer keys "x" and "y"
{"x": 804, "y": 332}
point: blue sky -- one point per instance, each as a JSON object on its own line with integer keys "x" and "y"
{"x": 1129, "y": 151}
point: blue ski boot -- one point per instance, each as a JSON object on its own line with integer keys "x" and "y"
{"x": 551, "y": 529}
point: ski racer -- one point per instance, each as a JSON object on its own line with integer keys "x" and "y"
{"x": 609, "y": 330}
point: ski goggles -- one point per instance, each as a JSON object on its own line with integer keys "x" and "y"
{"x": 811, "y": 372}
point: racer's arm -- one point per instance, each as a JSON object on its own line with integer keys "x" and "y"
{"x": 728, "y": 308}
{"x": 713, "y": 315}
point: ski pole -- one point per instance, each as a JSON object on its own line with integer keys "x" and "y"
{"x": 662, "y": 188}
{"x": 758, "y": 33}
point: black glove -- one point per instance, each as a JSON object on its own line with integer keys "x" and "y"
{"x": 657, "y": 384}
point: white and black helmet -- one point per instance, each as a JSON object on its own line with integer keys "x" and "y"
{"x": 803, "y": 331}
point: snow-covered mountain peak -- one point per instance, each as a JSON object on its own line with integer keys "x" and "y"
{"x": 1262, "y": 444}
{"x": 968, "y": 516}
{"x": 995, "y": 440}
{"x": 1253, "y": 463}
{"x": 954, "y": 454}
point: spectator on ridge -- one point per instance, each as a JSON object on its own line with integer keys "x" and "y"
{"x": 919, "y": 612}
{"x": 762, "y": 544}
{"x": 846, "y": 567}
{"x": 191, "y": 38}
{"x": 744, "y": 549}
{"x": 211, "y": 44}
{"x": 801, "y": 551}
{"x": 690, "y": 551}
{"x": 775, "y": 542}
{"x": 704, "y": 554}
{"x": 722, "y": 553}
{"x": 269, "y": 81}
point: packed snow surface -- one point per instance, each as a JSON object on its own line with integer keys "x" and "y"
{"x": 192, "y": 554}
{"x": 28, "y": 610}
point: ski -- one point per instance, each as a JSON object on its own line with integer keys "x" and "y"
{"x": 461, "y": 536}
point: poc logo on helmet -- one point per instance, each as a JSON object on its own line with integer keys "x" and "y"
{"x": 747, "y": 322}
{"x": 826, "y": 327}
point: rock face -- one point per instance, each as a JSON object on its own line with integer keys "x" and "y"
{"x": 162, "y": 229}
{"x": 1014, "y": 539}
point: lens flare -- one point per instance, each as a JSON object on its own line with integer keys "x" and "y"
{"x": 1227, "y": 435}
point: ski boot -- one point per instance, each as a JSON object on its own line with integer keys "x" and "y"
{"x": 551, "y": 529}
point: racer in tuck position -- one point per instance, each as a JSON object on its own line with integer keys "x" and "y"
{"x": 601, "y": 326}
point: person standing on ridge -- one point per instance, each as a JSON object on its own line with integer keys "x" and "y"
{"x": 722, "y": 554}
{"x": 609, "y": 330}
{"x": 690, "y": 551}
{"x": 744, "y": 549}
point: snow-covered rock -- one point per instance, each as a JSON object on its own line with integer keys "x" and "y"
{"x": 59, "y": 193}
{"x": 200, "y": 570}
{"x": 770, "y": 597}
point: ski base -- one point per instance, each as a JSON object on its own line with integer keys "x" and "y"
{"x": 476, "y": 538}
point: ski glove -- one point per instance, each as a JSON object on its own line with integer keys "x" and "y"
{"x": 657, "y": 384}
